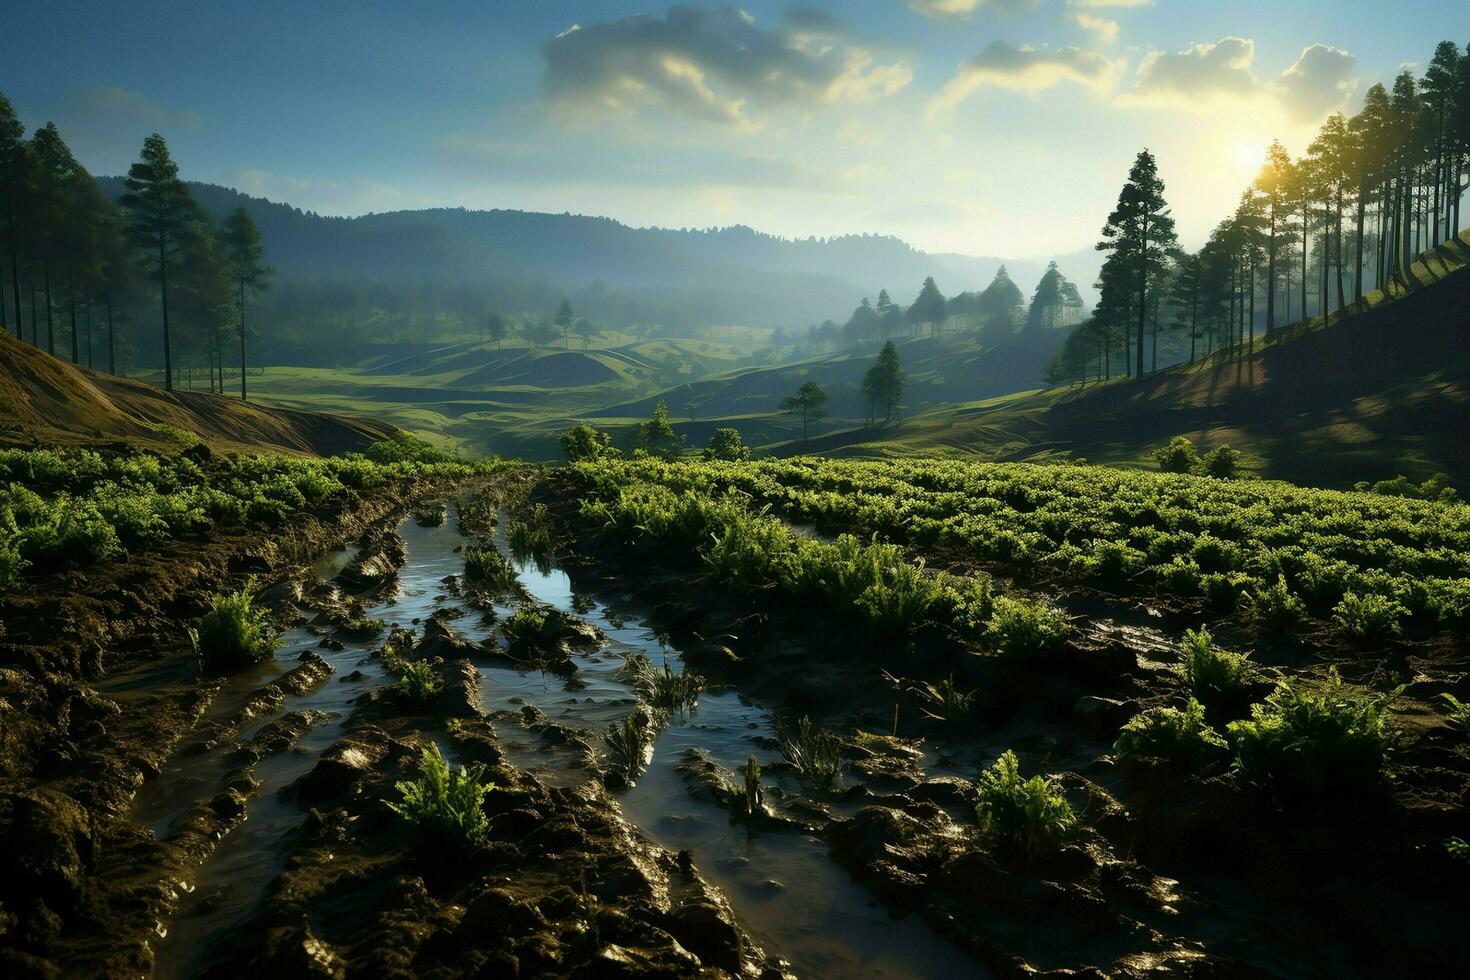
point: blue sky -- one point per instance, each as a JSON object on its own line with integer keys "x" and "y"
{"x": 999, "y": 127}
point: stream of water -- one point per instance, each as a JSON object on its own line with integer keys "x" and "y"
{"x": 785, "y": 889}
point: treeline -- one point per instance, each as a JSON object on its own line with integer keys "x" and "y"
{"x": 80, "y": 267}
{"x": 1310, "y": 237}
{"x": 999, "y": 313}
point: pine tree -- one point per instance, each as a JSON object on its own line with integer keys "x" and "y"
{"x": 564, "y": 320}
{"x": 884, "y": 382}
{"x": 1272, "y": 182}
{"x": 1141, "y": 230}
{"x": 810, "y": 400}
{"x": 248, "y": 271}
{"x": 929, "y": 306}
{"x": 158, "y": 206}
{"x": 12, "y": 169}
{"x": 496, "y": 329}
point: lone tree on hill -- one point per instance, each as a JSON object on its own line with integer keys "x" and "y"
{"x": 159, "y": 206}
{"x": 245, "y": 253}
{"x": 657, "y": 436}
{"x": 564, "y": 320}
{"x": 883, "y": 384}
{"x": 496, "y": 329}
{"x": 810, "y": 400}
{"x": 1141, "y": 230}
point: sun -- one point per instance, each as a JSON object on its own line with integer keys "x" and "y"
{"x": 1248, "y": 156}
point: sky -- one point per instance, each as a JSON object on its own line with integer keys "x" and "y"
{"x": 985, "y": 127}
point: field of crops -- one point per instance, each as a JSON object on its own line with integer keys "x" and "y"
{"x": 1373, "y": 565}
{"x": 71, "y": 508}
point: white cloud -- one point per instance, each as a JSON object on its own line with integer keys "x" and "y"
{"x": 1106, "y": 30}
{"x": 962, "y": 9}
{"x": 1198, "y": 73}
{"x": 1320, "y": 82}
{"x": 1027, "y": 70}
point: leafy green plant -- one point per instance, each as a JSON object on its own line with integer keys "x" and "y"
{"x": 1180, "y": 734}
{"x": 1370, "y": 620}
{"x": 525, "y": 626}
{"x": 1312, "y": 736}
{"x": 944, "y": 701}
{"x": 748, "y": 799}
{"x": 1212, "y": 675}
{"x": 1277, "y": 608}
{"x": 1222, "y": 462}
{"x": 672, "y": 693}
{"x": 419, "y": 684}
{"x": 726, "y": 444}
{"x": 1030, "y": 814}
{"x": 1026, "y": 629}
{"x": 444, "y": 805}
{"x": 630, "y": 743}
{"x": 1179, "y": 456}
{"x": 487, "y": 567}
{"x": 234, "y": 633}
{"x": 1459, "y": 712}
{"x": 582, "y": 443}
{"x": 362, "y": 628}
{"x": 529, "y": 541}
{"x": 815, "y": 754}
{"x": 1456, "y": 848}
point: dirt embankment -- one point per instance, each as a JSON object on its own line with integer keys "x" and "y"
{"x": 45, "y": 401}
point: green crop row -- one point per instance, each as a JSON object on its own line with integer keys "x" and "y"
{"x": 1289, "y": 553}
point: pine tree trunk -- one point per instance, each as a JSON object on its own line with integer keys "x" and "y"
{"x": 50, "y": 321}
{"x": 111, "y": 338}
{"x": 14, "y": 259}
{"x": 1271, "y": 276}
{"x": 242, "y": 342}
{"x": 168, "y": 355}
{"x": 71, "y": 302}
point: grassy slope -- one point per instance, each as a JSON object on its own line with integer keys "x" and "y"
{"x": 1371, "y": 395}
{"x": 46, "y": 400}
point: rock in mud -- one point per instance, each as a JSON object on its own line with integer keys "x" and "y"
{"x": 342, "y": 766}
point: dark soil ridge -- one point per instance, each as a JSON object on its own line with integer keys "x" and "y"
{"x": 1266, "y": 863}
{"x": 82, "y": 889}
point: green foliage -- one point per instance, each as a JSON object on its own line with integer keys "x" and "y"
{"x": 945, "y": 701}
{"x": 1459, "y": 713}
{"x": 1458, "y": 849}
{"x": 582, "y": 443}
{"x": 363, "y": 629}
{"x": 748, "y": 799}
{"x": 657, "y": 436}
{"x": 1370, "y": 620}
{"x": 1277, "y": 608}
{"x": 1311, "y": 736}
{"x": 664, "y": 690}
{"x": 1213, "y": 676}
{"x": 420, "y": 684}
{"x": 815, "y": 754}
{"x": 1171, "y": 733}
{"x": 404, "y": 448}
{"x": 234, "y": 633}
{"x": 1436, "y": 488}
{"x": 486, "y": 566}
{"x": 525, "y": 626}
{"x": 444, "y": 806}
{"x": 725, "y": 444}
{"x": 1179, "y": 456}
{"x": 1027, "y": 629}
{"x": 630, "y": 743}
{"x": 1222, "y": 462}
{"x": 1030, "y": 814}
{"x": 528, "y": 539}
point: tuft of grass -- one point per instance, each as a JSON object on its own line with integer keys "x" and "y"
{"x": 630, "y": 743}
{"x": 815, "y": 754}
{"x": 1030, "y": 814}
{"x": 420, "y": 684}
{"x": 945, "y": 701}
{"x": 1171, "y": 733}
{"x": 443, "y": 806}
{"x": 524, "y": 627}
{"x": 1315, "y": 736}
{"x": 1213, "y": 676}
{"x": 529, "y": 540}
{"x": 234, "y": 633}
{"x": 748, "y": 799}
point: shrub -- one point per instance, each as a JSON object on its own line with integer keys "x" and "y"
{"x": 1222, "y": 462}
{"x": 443, "y": 806}
{"x": 404, "y": 448}
{"x": 748, "y": 551}
{"x": 1313, "y": 736}
{"x": 1212, "y": 675}
{"x": 234, "y": 633}
{"x": 1115, "y": 562}
{"x": 1030, "y": 813}
{"x": 1369, "y": 620}
{"x": 1437, "y": 488}
{"x": 1022, "y": 628}
{"x": 1277, "y": 608}
{"x": 815, "y": 754}
{"x": 419, "y": 684}
{"x": 11, "y": 565}
{"x": 1456, "y": 848}
{"x": 524, "y": 627}
{"x": 1223, "y": 590}
{"x": 726, "y": 444}
{"x": 1171, "y": 733}
{"x": 1179, "y": 456}
{"x": 583, "y": 443}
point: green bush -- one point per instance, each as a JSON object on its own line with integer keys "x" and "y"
{"x": 726, "y": 444}
{"x": 1314, "y": 736}
{"x": 815, "y": 754}
{"x": 487, "y": 566}
{"x": 1222, "y": 462}
{"x": 1277, "y": 608}
{"x": 1369, "y": 620}
{"x": 583, "y": 443}
{"x": 748, "y": 552}
{"x": 1030, "y": 814}
{"x": 444, "y": 806}
{"x": 1021, "y": 628}
{"x": 1179, "y": 456}
{"x": 234, "y": 634}
{"x": 1213, "y": 676}
{"x": 12, "y": 565}
{"x": 1171, "y": 733}
{"x": 420, "y": 684}
{"x": 525, "y": 626}
{"x": 363, "y": 629}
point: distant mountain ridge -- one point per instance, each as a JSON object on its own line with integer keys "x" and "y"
{"x": 771, "y": 280}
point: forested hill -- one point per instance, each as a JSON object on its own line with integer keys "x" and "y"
{"x": 528, "y": 259}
